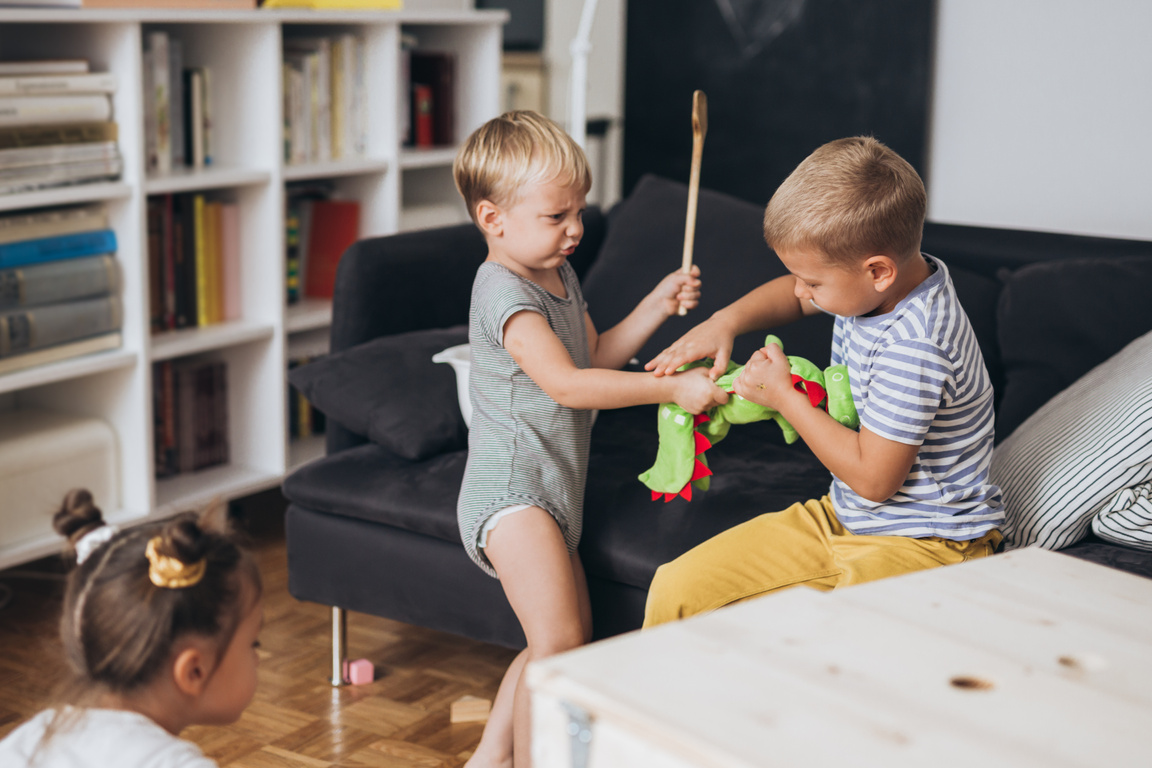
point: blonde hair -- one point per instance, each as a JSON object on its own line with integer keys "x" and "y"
{"x": 513, "y": 150}
{"x": 849, "y": 199}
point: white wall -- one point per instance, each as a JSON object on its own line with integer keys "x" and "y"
{"x": 1042, "y": 116}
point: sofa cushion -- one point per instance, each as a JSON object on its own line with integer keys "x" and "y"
{"x": 1070, "y": 459}
{"x": 645, "y": 241}
{"x": 391, "y": 392}
{"x": 1127, "y": 517}
{"x": 1056, "y": 320}
{"x": 370, "y": 483}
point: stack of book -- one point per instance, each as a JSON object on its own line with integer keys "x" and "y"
{"x": 325, "y": 112}
{"x": 428, "y": 115}
{"x": 56, "y": 125}
{"x": 59, "y": 286}
{"x": 303, "y": 418}
{"x": 190, "y": 415}
{"x": 177, "y": 107}
{"x": 193, "y": 261}
{"x": 317, "y": 232}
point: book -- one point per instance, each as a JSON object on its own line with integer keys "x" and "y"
{"x": 184, "y": 260}
{"x": 168, "y": 245}
{"x": 39, "y": 85}
{"x": 58, "y": 281}
{"x": 58, "y": 247}
{"x": 423, "y": 130}
{"x": 335, "y": 226}
{"x": 314, "y": 55}
{"x": 200, "y": 257}
{"x": 60, "y": 174}
{"x": 194, "y": 117}
{"x": 32, "y": 328}
{"x": 158, "y": 83}
{"x": 68, "y": 108}
{"x": 230, "y": 261}
{"x": 49, "y": 222}
{"x": 154, "y": 214}
{"x": 206, "y": 112}
{"x": 213, "y": 266}
{"x": 25, "y": 157}
{"x": 60, "y": 352}
{"x": 292, "y": 250}
{"x": 12, "y": 137}
{"x": 43, "y": 67}
{"x": 437, "y": 69}
{"x": 176, "y": 97}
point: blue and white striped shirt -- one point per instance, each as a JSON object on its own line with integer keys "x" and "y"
{"x": 918, "y": 378}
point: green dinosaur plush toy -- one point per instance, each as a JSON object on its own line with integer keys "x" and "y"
{"x": 684, "y": 438}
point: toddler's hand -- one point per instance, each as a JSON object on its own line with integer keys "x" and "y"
{"x": 695, "y": 392}
{"x": 766, "y": 377}
{"x": 678, "y": 290}
{"x": 709, "y": 339}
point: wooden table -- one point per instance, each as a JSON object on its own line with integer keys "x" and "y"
{"x": 1030, "y": 658}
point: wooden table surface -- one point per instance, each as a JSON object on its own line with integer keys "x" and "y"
{"x": 1029, "y": 658}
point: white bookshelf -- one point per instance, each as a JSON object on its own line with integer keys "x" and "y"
{"x": 398, "y": 188}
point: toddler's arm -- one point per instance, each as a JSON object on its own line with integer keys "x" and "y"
{"x": 872, "y": 466}
{"x": 617, "y": 345}
{"x": 771, "y": 305}
{"x": 537, "y": 350}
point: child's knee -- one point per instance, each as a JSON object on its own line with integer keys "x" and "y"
{"x": 667, "y": 595}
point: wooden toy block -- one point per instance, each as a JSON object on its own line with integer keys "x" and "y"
{"x": 470, "y": 709}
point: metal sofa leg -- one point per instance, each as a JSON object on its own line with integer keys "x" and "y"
{"x": 339, "y": 646}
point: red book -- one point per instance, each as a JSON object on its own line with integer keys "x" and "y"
{"x": 424, "y": 127}
{"x": 335, "y": 226}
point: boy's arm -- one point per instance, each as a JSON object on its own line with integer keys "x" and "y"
{"x": 537, "y": 350}
{"x": 872, "y": 466}
{"x": 620, "y": 343}
{"x": 771, "y": 305}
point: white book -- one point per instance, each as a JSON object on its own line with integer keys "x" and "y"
{"x": 52, "y": 222}
{"x": 38, "y": 85}
{"x": 35, "y": 110}
{"x": 360, "y": 99}
{"x": 160, "y": 158}
{"x": 43, "y": 67}
{"x": 24, "y": 157}
{"x": 176, "y": 97}
{"x": 195, "y": 84}
{"x": 62, "y": 174}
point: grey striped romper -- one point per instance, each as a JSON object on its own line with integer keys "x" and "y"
{"x": 523, "y": 446}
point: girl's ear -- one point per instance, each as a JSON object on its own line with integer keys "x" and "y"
{"x": 489, "y": 218}
{"x": 882, "y": 270}
{"x": 190, "y": 670}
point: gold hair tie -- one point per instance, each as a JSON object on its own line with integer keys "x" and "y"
{"x": 170, "y": 573}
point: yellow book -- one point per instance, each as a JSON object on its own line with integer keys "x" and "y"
{"x": 376, "y": 5}
{"x": 202, "y": 313}
{"x": 214, "y": 265}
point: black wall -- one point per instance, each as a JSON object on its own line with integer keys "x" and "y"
{"x": 781, "y": 76}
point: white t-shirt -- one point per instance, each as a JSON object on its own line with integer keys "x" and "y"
{"x": 99, "y": 738}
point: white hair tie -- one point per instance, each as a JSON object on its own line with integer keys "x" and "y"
{"x": 93, "y": 539}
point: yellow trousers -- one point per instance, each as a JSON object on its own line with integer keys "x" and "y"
{"x": 802, "y": 545}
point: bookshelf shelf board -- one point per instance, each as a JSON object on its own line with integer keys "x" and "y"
{"x": 73, "y": 368}
{"x": 356, "y": 166}
{"x": 308, "y": 315}
{"x": 305, "y": 449}
{"x": 209, "y": 177}
{"x": 192, "y": 490}
{"x": 191, "y": 341}
{"x": 77, "y": 193}
{"x": 433, "y": 157}
{"x": 413, "y": 217}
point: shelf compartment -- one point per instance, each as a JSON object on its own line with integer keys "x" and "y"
{"x": 353, "y": 166}
{"x": 193, "y": 490}
{"x": 209, "y": 177}
{"x": 191, "y": 341}
{"x": 433, "y": 157}
{"x": 77, "y": 193}
{"x": 72, "y": 368}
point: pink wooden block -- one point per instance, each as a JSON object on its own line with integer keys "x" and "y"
{"x": 359, "y": 672}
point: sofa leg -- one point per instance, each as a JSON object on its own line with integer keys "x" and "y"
{"x": 339, "y": 646}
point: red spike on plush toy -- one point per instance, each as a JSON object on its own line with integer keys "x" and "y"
{"x": 700, "y": 418}
{"x": 656, "y": 495}
{"x": 702, "y": 443}
{"x": 699, "y": 471}
{"x": 686, "y": 492}
{"x": 668, "y": 497}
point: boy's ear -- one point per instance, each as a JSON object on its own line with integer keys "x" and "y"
{"x": 190, "y": 670}
{"x": 882, "y": 270}
{"x": 489, "y": 218}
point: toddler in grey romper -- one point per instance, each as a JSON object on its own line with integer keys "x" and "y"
{"x": 524, "y": 448}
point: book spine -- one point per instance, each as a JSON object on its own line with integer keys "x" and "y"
{"x": 212, "y": 262}
{"x": 57, "y": 153}
{"x": 176, "y": 98}
{"x": 101, "y": 82}
{"x": 56, "y": 221}
{"x": 422, "y": 110}
{"x": 34, "y": 110}
{"x": 155, "y": 265}
{"x": 292, "y": 257}
{"x": 38, "y": 327}
{"x": 160, "y": 158}
{"x": 339, "y": 107}
{"x": 200, "y": 257}
{"x": 324, "y": 99}
{"x": 12, "y": 137}
{"x": 194, "y": 115}
{"x": 168, "y": 245}
{"x": 56, "y": 248}
{"x": 230, "y": 256}
{"x": 206, "y": 112}
{"x": 43, "y": 67}
{"x": 58, "y": 281}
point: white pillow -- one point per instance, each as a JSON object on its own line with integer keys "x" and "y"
{"x": 460, "y": 358}
{"x": 1127, "y": 518}
{"x": 1067, "y": 463}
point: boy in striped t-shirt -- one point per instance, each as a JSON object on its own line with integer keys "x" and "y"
{"x": 910, "y": 490}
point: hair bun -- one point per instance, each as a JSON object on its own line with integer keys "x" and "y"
{"x": 78, "y": 515}
{"x": 184, "y": 539}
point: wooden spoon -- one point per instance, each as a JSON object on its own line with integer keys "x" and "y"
{"x": 699, "y": 129}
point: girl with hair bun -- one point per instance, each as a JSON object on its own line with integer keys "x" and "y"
{"x": 159, "y": 626}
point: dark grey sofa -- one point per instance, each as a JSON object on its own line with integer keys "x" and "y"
{"x": 372, "y": 531}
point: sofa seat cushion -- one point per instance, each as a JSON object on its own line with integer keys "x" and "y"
{"x": 371, "y": 483}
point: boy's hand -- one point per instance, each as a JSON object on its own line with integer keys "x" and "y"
{"x": 695, "y": 392}
{"x": 766, "y": 378}
{"x": 678, "y": 290}
{"x": 709, "y": 339}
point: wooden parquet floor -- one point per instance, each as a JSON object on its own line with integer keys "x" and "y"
{"x": 297, "y": 720}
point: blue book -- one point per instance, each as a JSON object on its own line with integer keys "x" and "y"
{"x": 57, "y": 248}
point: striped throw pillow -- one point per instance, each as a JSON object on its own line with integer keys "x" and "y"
{"x": 1075, "y": 457}
{"x": 1127, "y": 518}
